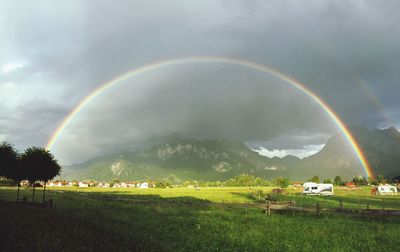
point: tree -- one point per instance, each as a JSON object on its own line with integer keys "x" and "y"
{"x": 314, "y": 179}
{"x": 360, "y": 181}
{"x": 259, "y": 181}
{"x": 381, "y": 179}
{"x": 327, "y": 181}
{"x": 8, "y": 159}
{"x": 396, "y": 180}
{"x": 40, "y": 165}
{"x": 282, "y": 182}
{"x": 372, "y": 181}
{"x": 337, "y": 181}
{"x": 9, "y": 164}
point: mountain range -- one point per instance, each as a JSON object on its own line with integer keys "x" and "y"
{"x": 184, "y": 159}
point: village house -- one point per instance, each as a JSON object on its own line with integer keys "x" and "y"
{"x": 83, "y": 184}
{"x": 296, "y": 184}
{"x": 51, "y": 184}
{"x": 71, "y": 184}
{"x": 351, "y": 185}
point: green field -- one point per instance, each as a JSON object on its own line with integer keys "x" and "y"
{"x": 182, "y": 219}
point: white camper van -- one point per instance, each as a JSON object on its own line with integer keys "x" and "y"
{"x": 386, "y": 190}
{"x": 311, "y": 188}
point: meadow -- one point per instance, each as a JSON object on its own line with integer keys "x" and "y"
{"x": 182, "y": 219}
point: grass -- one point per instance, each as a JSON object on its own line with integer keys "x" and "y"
{"x": 182, "y": 219}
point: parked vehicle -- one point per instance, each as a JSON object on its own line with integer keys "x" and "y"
{"x": 386, "y": 190}
{"x": 311, "y": 188}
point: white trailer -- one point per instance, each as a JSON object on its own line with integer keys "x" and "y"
{"x": 311, "y": 188}
{"x": 386, "y": 190}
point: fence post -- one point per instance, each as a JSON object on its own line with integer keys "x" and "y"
{"x": 383, "y": 204}
{"x": 293, "y": 204}
{"x": 341, "y": 204}
{"x": 268, "y": 207}
{"x": 318, "y": 209}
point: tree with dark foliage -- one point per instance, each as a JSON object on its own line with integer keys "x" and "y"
{"x": 9, "y": 164}
{"x": 40, "y": 165}
{"x": 338, "y": 181}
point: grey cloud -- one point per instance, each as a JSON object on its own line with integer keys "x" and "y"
{"x": 199, "y": 101}
{"x": 71, "y": 47}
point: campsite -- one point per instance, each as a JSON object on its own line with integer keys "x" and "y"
{"x": 207, "y": 219}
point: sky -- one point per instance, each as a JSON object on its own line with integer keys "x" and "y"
{"x": 55, "y": 53}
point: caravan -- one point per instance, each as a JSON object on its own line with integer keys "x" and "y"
{"x": 311, "y": 188}
{"x": 386, "y": 190}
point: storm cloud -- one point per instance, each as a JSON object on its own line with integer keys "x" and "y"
{"x": 54, "y": 54}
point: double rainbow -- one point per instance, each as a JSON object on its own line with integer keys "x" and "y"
{"x": 147, "y": 68}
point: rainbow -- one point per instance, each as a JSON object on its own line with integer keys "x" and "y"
{"x": 373, "y": 98}
{"x": 153, "y": 66}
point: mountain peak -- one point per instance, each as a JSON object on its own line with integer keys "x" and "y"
{"x": 391, "y": 130}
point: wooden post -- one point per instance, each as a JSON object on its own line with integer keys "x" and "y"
{"x": 293, "y": 204}
{"x": 341, "y": 204}
{"x": 318, "y": 209}
{"x": 268, "y": 207}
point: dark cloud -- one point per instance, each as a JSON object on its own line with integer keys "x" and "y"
{"x": 197, "y": 100}
{"x": 346, "y": 51}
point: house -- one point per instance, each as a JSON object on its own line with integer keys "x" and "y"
{"x": 296, "y": 184}
{"x": 106, "y": 185}
{"x": 350, "y": 184}
{"x": 83, "y": 184}
{"x": 51, "y": 184}
{"x": 123, "y": 185}
{"x": 71, "y": 184}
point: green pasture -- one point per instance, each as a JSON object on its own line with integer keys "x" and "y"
{"x": 357, "y": 198}
{"x": 183, "y": 219}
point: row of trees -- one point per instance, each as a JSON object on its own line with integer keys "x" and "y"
{"x": 359, "y": 180}
{"x": 240, "y": 180}
{"x": 283, "y": 182}
{"x": 34, "y": 164}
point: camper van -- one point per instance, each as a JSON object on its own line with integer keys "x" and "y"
{"x": 386, "y": 190}
{"x": 311, "y": 188}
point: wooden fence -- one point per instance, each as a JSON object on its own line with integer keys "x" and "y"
{"x": 290, "y": 206}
